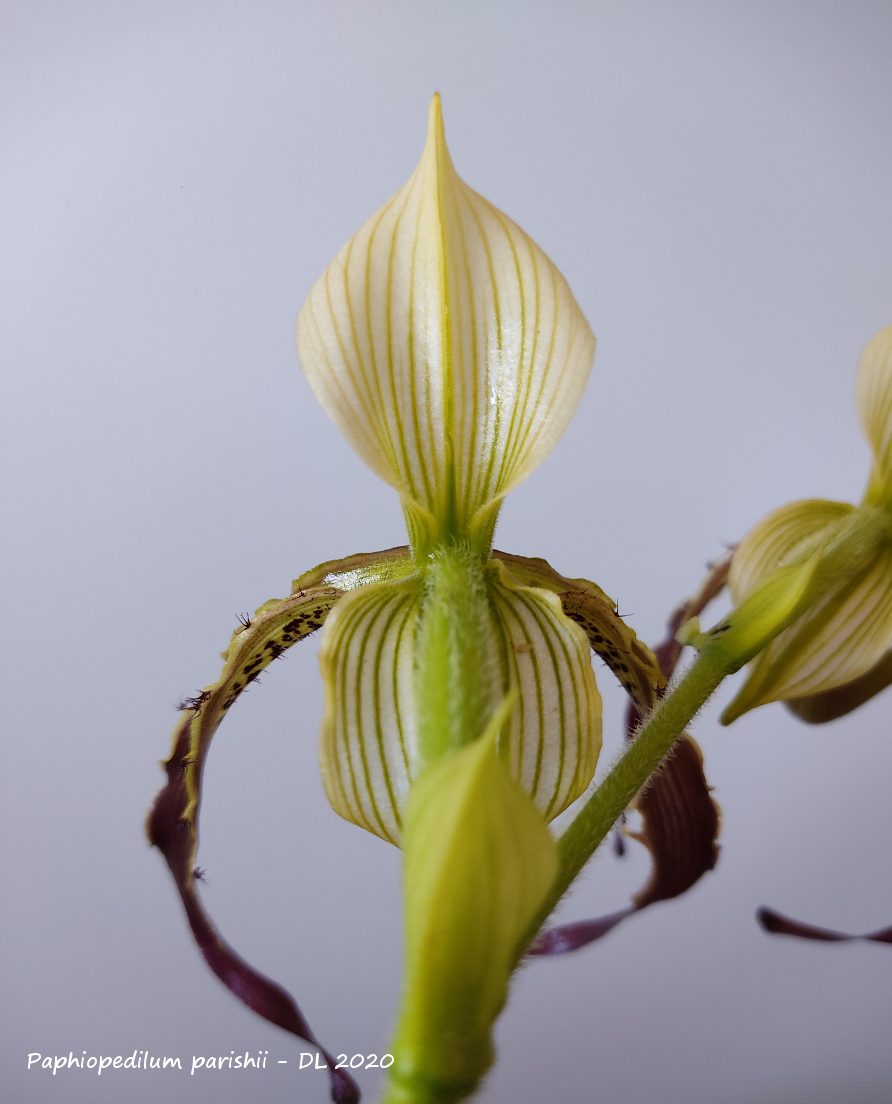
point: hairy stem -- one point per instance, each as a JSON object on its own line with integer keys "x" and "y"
{"x": 454, "y": 677}
{"x": 641, "y": 759}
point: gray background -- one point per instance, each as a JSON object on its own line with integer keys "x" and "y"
{"x": 714, "y": 181}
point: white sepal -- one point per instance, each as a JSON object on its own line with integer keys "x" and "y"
{"x": 446, "y": 346}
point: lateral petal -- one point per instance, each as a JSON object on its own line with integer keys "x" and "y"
{"x": 634, "y": 664}
{"x": 172, "y": 825}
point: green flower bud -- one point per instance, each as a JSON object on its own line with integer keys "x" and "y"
{"x": 479, "y": 861}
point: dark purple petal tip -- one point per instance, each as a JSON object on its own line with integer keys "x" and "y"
{"x": 570, "y": 937}
{"x": 778, "y": 924}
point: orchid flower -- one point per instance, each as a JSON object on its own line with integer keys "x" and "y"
{"x": 461, "y": 711}
{"x": 834, "y": 653}
{"x": 452, "y": 355}
{"x": 823, "y": 571}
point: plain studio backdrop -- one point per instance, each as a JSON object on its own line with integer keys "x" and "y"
{"x": 714, "y": 181}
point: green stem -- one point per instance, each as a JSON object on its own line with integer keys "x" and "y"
{"x": 644, "y": 755}
{"x": 454, "y": 676}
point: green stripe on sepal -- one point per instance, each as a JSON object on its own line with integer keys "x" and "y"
{"x": 447, "y": 348}
{"x": 479, "y": 860}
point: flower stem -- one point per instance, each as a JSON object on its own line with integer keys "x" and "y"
{"x": 644, "y": 755}
{"x": 454, "y": 680}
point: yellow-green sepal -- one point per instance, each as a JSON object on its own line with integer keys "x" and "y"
{"x": 479, "y": 861}
{"x": 822, "y": 571}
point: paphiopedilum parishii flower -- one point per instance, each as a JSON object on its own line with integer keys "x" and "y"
{"x": 461, "y": 711}
{"x": 451, "y": 353}
{"x": 813, "y": 584}
{"x": 821, "y": 573}
{"x": 824, "y": 569}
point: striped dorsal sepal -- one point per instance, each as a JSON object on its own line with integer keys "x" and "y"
{"x": 447, "y": 348}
